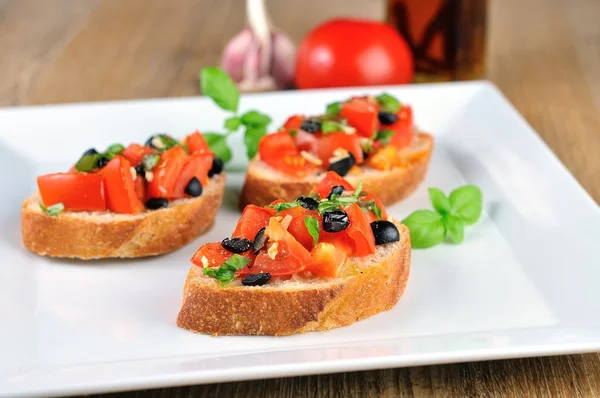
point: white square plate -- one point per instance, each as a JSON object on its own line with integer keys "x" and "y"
{"x": 524, "y": 283}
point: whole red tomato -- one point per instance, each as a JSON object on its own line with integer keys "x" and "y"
{"x": 348, "y": 52}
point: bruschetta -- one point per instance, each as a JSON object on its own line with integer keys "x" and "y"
{"x": 321, "y": 261}
{"x": 368, "y": 139}
{"x": 134, "y": 201}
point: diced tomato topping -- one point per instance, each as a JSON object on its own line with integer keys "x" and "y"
{"x": 384, "y": 158}
{"x": 119, "y": 188}
{"x": 253, "y": 219}
{"x": 330, "y": 180}
{"x": 197, "y": 166}
{"x": 140, "y": 188}
{"x": 297, "y": 226}
{"x": 360, "y": 231}
{"x": 293, "y": 122}
{"x": 77, "y": 191}
{"x": 289, "y": 256}
{"x": 362, "y": 115}
{"x": 306, "y": 141}
{"x": 326, "y": 260}
{"x": 370, "y": 215}
{"x": 273, "y": 145}
{"x": 278, "y": 151}
{"x": 167, "y": 172}
{"x": 216, "y": 255}
{"x": 135, "y": 153}
{"x": 328, "y": 143}
{"x": 196, "y": 143}
{"x": 403, "y": 128}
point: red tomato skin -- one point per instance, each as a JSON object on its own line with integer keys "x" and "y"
{"x": 362, "y": 115}
{"x": 306, "y": 141}
{"x": 360, "y": 231}
{"x": 279, "y": 151}
{"x": 166, "y": 173}
{"x": 196, "y": 143}
{"x": 349, "y": 52}
{"x": 293, "y": 122}
{"x": 330, "y": 180}
{"x": 216, "y": 255}
{"x": 370, "y": 215}
{"x": 297, "y": 226}
{"x": 253, "y": 219}
{"x": 326, "y": 260}
{"x": 403, "y": 128}
{"x": 135, "y": 153}
{"x": 328, "y": 143}
{"x": 140, "y": 188}
{"x": 119, "y": 187}
{"x": 77, "y": 191}
{"x": 197, "y": 166}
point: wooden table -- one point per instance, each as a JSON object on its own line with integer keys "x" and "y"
{"x": 544, "y": 54}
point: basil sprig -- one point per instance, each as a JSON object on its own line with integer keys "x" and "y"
{"x": 52, "y": 210}
{"x": 388, "y": 102}
{"x": 448, "y": 219}
{"x": 217, "y": 85}
{"x": 226, "y": 272}
{"x": 312, "y": 226}
{"x": 384, "y": 136}
{"x": 87, "y": 163}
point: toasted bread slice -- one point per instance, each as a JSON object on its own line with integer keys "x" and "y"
{"x": 265, "y": 184}
{"x": 92, "y": 235}
{"x": 364, "y": 287}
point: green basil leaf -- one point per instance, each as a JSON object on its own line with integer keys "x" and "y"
{"x": 328, "y": 205}
{"x": 218, "y": 144}
{"x": 439, "y": 201}
{"x": 115, "y": 149}
{"x": 168, "y": 141}
{"x": 232, "y": 123}
{"x": 52, "y": 210}
{"x": 375, "y": 209}
{"x": 358, "y": 189}
{"x": 226, "y": 272}
{"x": 384, "y": 136}
{"x": 252, "y": 137}
{"x": 426, "y": 228}
{"x": 455, "y": 228}
{"x": 88, "y": 162}
{"x": 279, "y": 207}
{"x": 255, "y": 119}
{"x": 150, "y": 161}
{"x": 331, "y": 126}
{"x": 216, "y": 84}
{"x": 312, "y": 225}
{"x": 388, "y": 102}
{"x": 466, "y": 202}
{"x": 334, "y": 108}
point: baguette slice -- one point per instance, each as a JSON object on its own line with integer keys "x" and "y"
{"x": 93, "y": 235}
{"x": 264, "y": 184}
{"x": 364, "y": 287}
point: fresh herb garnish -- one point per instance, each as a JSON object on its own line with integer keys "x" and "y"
{"x": 88, "y": 163}
{"x": 384, "y": 136}
{"x": 388, "y": 102}
{"x": 150, "y": 161}
{"x": 331, "y": 126}
{"x": 115, "y": 149}
{"x": 52, "y": 210}
{"x": 226, "y": 272}
{"x": 312, "y": 226}
{"x": 216, "y": 84}
{"x": 372, "y": 206}
{"x": 279, "y": 207}
{"x": 168, "y": 142}
{"x": 334, "y": 108}
{"x": 428, "y": 227}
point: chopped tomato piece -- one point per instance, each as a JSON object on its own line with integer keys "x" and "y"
{"x": 196, "y": 143}
{"x": 293, "y": 122}
{"x": 384, "y": 158}
{"x": 328, "y": 143}
{"x": 362, "y": 115}
{"x": 306, "y": 141}
{"x": 370, "y": 215}
{"x": 215, "y": 255}
{"x": 77, "y": 191}
{"x": 330, "y": 180}
{"x": 167, "y": 172}
{"x": 140, "y": 188}
{"x": 297, "y": 226}
{"x": 120, "y": 191}
{"x": 326, "y": 260}
{"x": 360, "y": 231}
{"x": 135, "y": 153}
{"x": 273, "y": 145}
{"x": 253, "y": 219}
{"x": 197, "y": 166}
{"x": 284, "y": 256}
{"x": 403, "y": 128}
{"x": 278, "y": 151}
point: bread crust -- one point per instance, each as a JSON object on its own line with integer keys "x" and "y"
{"x": 91, "y": 236}
{"x": 390, "y": 186}
{"x": 211, "y": 309}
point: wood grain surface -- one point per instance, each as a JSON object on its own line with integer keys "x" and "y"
{"x": 543, "y": 54}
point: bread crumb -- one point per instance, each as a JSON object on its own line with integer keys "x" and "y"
{"x": 204, "y": 261}
{"x": 311, "y": 158}
{"x": 285, "y": 223}
{"x": 149, "y": 176}
{"x": 339, "y": 154}
{"x": 133, "y": 173}
{"x": 272, "y": 252}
